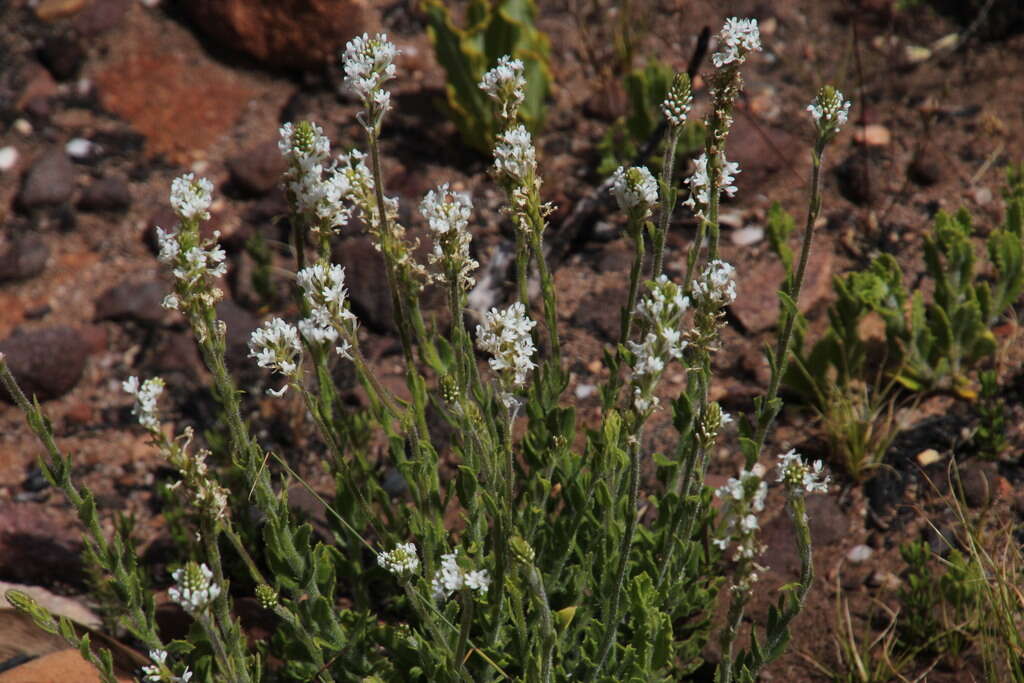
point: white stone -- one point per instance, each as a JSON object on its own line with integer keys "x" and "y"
{"x": 79, "y": 148}
{"x": 744, "y": 237}
{"x": 23, "y": 127}
{"x": 859, "y": 553}
{"x": 8, "y": 158}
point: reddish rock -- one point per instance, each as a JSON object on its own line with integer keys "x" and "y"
{"x": 47, "y": 363}
{"x": 38, "y": 85}
{"x": 180, "y": 104}
{"x": 757, "y": 302}
{"x": 38, "y": 546}
{"x": 24, "y": 258}
{"x": 258, "y": 169}
{"x": 100, "y": 16}
{"x": 283, "y": 33}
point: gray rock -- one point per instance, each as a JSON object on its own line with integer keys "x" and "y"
{"x": 258, "y": 169}
{"x": 106, "y": 194}
{"x": 48, "y": 362}
{"x": 135, "y": 301}
{"x": 366, "y": 278}
{"x": 49, "y": 181}
{"x": 24, "y": 258}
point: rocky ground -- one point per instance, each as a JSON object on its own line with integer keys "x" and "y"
{"x": 103, "y": 102}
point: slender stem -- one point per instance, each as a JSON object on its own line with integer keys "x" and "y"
{"x": 613, "y": 617}
{"x": 547, "y": 627}
{"x": 668, "y": 202}
{"x": 466, "y": 600}
{"x": 626, "y": 324}
{"x": 547, "y": 287}
{"x": 729, "y": 633}
{"x": 785, "y": 339}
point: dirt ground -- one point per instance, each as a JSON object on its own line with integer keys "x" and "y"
{"x": 937, "y": 118}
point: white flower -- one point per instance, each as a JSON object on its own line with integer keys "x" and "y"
{"x": 194, "y": 587}
{"x": 316, "y": 187}
{"x": 323, "y": 285}
{"x": 451, "y": 577}
{"x": 798, "y": 477}
{"x": 700, "y": 185}
{"x": 315, "y": 333}
{"x": 276, "y": 346}
{"x": 190, "y": 198}
{"x": 159, "y": 673}
{"x": 514, "y": 156}
{"x": 506, "y": 84}
{"x": 716, "y": 287}
{"x": 368, "y": 63}
{"x": 402, "y": 559}
{"x": 448, "y": 215}
{"x": 738, "y": 38}
{"x": 830, "y": 110}
{"x": 635, "y": 189}
{"x": 146, "y": 395}
{"x": 506, "y": 336}
{"x": 744, "y": 497}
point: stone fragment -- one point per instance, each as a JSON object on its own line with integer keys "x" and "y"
{"x": 927, "y": 167}
{"x": 49, "y": 181}
{"x": 100, "y": 16}
{"x": 135, "y": 301}
{"x": 757, "y": 302}
{"x": 8, "y": 158}
{"x": 24, "y": 258}
{"x": 257, "y": 170}
{"x": 51, "y": 10}
{"x": 872, "y": 135}
{"x": 106, "y": 194}
{"x": 302, "y": 34}
{"x": 47, "y": 362}
{"x": 855, "y": 178}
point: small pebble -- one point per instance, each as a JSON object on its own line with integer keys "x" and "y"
{"x": 744, "y": 237}
{"x": 982, "y": 196}
{"x": 872, "y": 135}
{"x": 8, "y": 158}
{"x": 79, "y": 148}
{"x": 23, "y": 127}
{"x": 929, "y": 456}
{"x": 584, "y": 390}
{"x": 859, "y": 553}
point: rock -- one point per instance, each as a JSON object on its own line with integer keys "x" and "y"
{"x": 872, "y": 135}
{"x": 182, "y": 103}
{"x": 38, "y": 546}
{"x": 757, "y": 303}
{"x": 854, "y": 178}
{"x": 106, "y": 194}
{"x": 63, "y": 56}
{"x": 859, "y": 553}
{"x": 51, "y": 10}
{"x": 55, "y": 667}
{"x": 24, "y": 258}
{"x": 8, "y": 158}
{"x": 827, "y": 521}
{"x": 57, "y": 605}
{"x": 599, "y": 312}
{"x": 49, "y": 181}
{"x": 38, "y": 85}
{"x": 100, "y": 16}
{"x": 928, "y": 456}
{"x": 79, "y": 148}
{"x": 47, "y": 362}
{"x": 885, "y": 580}
{"x": 135, "y": 301}
{"x": 257, "y": 170}
{"x": 926, "y": 168}
{"x": 979, "y": 484}
{"x": 365, "y": 277}
{"x": 748, "y": 236}
{"x": 283, "y": 33}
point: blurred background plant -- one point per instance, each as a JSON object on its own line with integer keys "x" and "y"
{"x": 490, "y": 29}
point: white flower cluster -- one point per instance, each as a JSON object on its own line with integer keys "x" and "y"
{"x": 276, "y": 346}
{"x": 202, "y": 490}
{"x": 146, "y": 395}
{"x": 660, "y": 310}
{"x": 447, "y": 215}
{"x": 700, "y": 184}
{"x": 194, "y": 587}
{"x": 744, "y": 499}
{"x": 799, "y": 477}
{"x": 676, "y": 106}
{"x": 716, "y": 287}
{"x": 190, "y": 198}
{"x": 368, "y": 63}
{"x": 158, "y": 671}
{"x": 316, "y": 195}
{"x": 324, "y": 287}
{"x": 514, "y": 156}
{"x": 635, "y": 189}
{"x": 506, "y": 336}
{"x": 506, "y": 84}
{"x": 738, "y": 38}
{"x": 830, "y": 110}
{"x": 191, "y": 265}
{"x": 401, "y": 560}
{"x": 451, "y": 577}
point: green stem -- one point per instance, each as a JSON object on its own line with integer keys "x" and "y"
{"x": 668, "y": 202}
